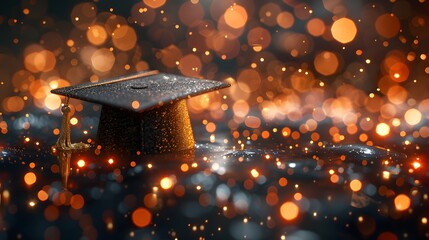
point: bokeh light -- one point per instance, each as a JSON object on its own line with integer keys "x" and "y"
{"x": 141, "y": 217}
{"x": 289, "y": 211}
{"x": 102, "y": 60}
{"x": 13, "y": 104}
{"x": 96, "y": 35}
{"x": 326, "y": 63}
{"x": 83, "y": 15}
{"x": 285, "y": 20}
{"x": 81, "y": 163}
{"x": 236, "y": 16}
{"x": 167, "y": 182}
{"x": 40, "y": 61}
{"x": 52, "y": 101}
{"x": 382, "y": 129}
{"x": 30, "y": 178}
{"x": 355, "y": 185}
{"x": 77, "y": 201}
{"x": 154, "y": 3}
{"x": 387, "y": 25}
{"x": 413, "y": 116}
{"x": 42, "y": 195}
{"x": 316, "y": 27}
{"x": 124, "y": 38}
{"x": 402, "y": 202}
{"x": 344, "y": 30}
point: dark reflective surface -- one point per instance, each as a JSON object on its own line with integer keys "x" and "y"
{"x": 219, "y": 191}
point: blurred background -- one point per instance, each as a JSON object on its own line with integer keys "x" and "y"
{"x": 307, "y": 78}
{"x": 359, "y": 66}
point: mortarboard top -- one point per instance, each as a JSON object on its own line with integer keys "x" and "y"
{"x": 145, "y": 111}
{"x": 149, "y": 88}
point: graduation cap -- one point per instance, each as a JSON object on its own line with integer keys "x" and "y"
{"x": 145, "y": 111}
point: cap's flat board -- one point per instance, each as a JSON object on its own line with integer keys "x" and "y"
{"x": 149, "y": 91}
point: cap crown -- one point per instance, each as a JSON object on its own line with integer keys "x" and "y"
{"x": 150, "y": 89}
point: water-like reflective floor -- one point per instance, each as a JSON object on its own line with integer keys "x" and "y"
{"x": 225, "y": 189}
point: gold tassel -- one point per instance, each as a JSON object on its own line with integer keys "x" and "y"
{"x": 64, "y": 142}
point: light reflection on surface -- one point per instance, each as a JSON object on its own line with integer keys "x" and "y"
{"x": 269, "y": 186}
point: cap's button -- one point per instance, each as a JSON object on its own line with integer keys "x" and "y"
{"x": 139, "y": 86}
